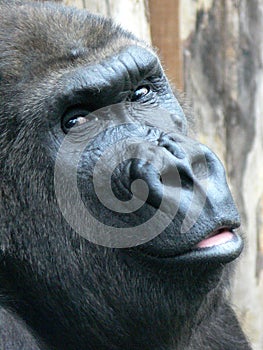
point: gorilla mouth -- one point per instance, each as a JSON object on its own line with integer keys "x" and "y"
{"x": 222, "y": 245}
{"x": 216, "y": 238}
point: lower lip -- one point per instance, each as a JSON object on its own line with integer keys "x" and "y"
{"x": 223, "y": 248}
{"x": 228, "y": 247}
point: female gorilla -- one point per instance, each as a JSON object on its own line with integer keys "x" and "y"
{"x": 116, "y": 229}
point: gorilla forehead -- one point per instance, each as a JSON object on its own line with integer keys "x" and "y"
{"x": 71, "y": 35}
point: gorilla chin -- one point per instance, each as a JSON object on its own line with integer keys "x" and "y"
{"x": 116, "y": 227}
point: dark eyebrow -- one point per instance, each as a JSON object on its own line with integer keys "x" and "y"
{"x": 131, "y": 66}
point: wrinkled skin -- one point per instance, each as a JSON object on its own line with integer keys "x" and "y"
{"x": 60, "y": 289}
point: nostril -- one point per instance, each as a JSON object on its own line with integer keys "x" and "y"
{"x": 145, "y": 182}
{"x": 171, "y": 177}
{"x": 204, "y": 165}
{"x": 200, "y": 168}
{"x": 140, "y": 188}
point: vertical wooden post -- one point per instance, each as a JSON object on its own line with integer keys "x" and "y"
{"x": 164, "y": 21}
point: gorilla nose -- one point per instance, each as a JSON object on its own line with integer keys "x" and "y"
{"x": 169, "y": 167}
{"x": 180, "y": 178}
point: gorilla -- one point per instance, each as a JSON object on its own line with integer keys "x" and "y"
{"x": 117, "y": 229}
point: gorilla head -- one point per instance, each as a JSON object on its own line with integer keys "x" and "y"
{"x": 116, "y": 228}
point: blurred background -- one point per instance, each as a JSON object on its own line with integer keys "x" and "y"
{"x": 213, "y": 51}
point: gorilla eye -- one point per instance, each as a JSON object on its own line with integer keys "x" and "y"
{"x": 140, "y": 93}
{"x": 75, "y": 121}
{"x": 74, "y": 118}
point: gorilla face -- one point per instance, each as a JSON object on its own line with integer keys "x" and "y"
{"x": 114, "y": 223}
{"x": 138, "y": 176}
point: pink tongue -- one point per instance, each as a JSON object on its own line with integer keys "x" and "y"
{"x": 218, "y": 239}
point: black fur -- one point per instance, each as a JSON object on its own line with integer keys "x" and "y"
{"x": 59, "y": 290}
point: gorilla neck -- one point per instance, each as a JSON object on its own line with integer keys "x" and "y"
{"x": 138, "y": 308}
